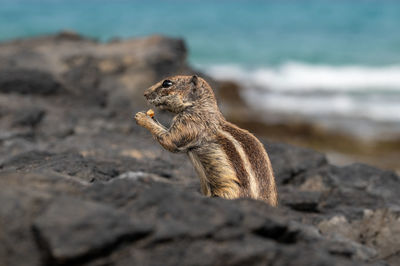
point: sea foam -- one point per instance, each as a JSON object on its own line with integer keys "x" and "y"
{"x": 356, "y": 92}
{"x": 294, "y": 76}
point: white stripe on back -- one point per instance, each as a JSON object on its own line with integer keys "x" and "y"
{"x": 254, "y": 189}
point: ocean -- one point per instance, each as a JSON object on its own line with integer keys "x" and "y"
{"x": 322, "y": 60}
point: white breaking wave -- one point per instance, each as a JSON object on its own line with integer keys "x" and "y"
{"x": 319, "y": 106}
{"x": 371, "y": 93}
{"x": 295, "y": 76}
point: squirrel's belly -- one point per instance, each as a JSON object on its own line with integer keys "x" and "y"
{"x": 217, "y": 176}
{"x": 205, "y": 187}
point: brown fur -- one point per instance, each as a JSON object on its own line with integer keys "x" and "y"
{"x": 236, "y": 163}
{"x": 230, "y": 161}
{"x": 259, "y": 159}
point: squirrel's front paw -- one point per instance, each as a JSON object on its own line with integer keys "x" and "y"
{"x": 141, "y": 118}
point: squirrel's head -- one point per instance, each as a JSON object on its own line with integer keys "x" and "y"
{"x": 177, "y": 93}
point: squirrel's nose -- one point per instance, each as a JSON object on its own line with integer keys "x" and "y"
{"x": 146, "y": 94}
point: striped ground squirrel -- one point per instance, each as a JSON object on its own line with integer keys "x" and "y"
{"x": 230, "y": 162}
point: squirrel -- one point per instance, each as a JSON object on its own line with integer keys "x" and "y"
{"x": 230, "y": 162}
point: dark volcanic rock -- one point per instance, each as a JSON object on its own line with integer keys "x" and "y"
{"x": 81, "y": 184}
{"x": 29, "y": 117}
{"x": 306, "y": 201}
{"x": 28, "y": 81}
{"x": 92, "y": 230}
{"x": 84, "y": 77}
{"x": 114, "y": 73}
{"x": 351, "y": 189}
{"x": 17, "y": 207}
{"x": 140, "y": 221}
{"x": 290, "y": 161}
{"x": 71, "y": 164}
{"x": 86, "y": 168}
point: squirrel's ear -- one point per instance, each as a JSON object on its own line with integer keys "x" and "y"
{"x": 194, "y": 91}
{"x": 194, "y": 80}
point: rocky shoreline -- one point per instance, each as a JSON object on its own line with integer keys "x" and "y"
{"x": 81, "y": 184}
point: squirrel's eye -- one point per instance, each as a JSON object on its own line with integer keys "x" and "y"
{"x": 167, "y": 83}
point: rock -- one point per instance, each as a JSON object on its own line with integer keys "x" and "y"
{"x": 379, "y": 229}
{"x": 17, "y": 246}
{"x": 68, "y": 35}
{"x": 86, "y": 168}
{"x": 375, "y": 182}
{"x": 351, "y": 189}
{"x": 114, "y": 73}
{"x": 194, "y": 230}
{"x": 305, "y": 201}
{"x": 84, "y": 78}
{"x": 78, "y": 223}
{"x": 28, "y": 81}
{"x": 29, "y": 117}
{"x": 290, "y": 161}
{"x": 91, "y": 230}
{"x": 71, "y": 164}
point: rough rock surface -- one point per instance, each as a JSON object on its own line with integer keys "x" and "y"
{"x": 81, "y": 184}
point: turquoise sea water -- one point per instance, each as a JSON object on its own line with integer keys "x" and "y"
{"x": 316, "y": 57}
{"x": 228, "y": 31}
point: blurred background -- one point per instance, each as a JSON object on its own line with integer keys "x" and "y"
{"x": 317, "y": 73}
